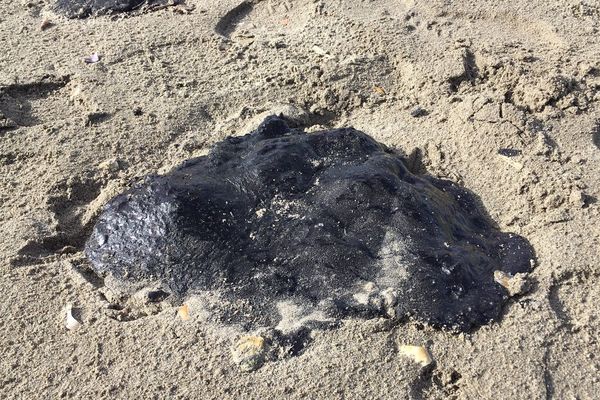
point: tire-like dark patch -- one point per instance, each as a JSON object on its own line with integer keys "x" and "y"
{"x": 280, "y": 228}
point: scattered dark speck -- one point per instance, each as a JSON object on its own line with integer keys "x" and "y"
{"x": 97, "y": 118}
{"x": 92, "y": 8}
{"x": 418, "y": 111}
{"x": 156, "y": 296}
{"x": 509, "y": 152}
{"x": 596, "y": 137}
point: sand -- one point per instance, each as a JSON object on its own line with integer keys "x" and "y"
{"x": 501, "y": 98}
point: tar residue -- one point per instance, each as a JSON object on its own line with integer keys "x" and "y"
{"x": 281, "y": 224}
{"x": 87, "y": 8}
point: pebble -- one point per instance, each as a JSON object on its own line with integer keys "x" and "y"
{"x": 249, "y": 353}
{"x": 110, "y": 165}
{"x": 46, "y": 23}
{"x": 418, "y": 111}
{"x": 577, "y": 198}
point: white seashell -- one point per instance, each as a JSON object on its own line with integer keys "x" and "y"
{"x": 94, "y": 58}
{"x": 71, "y": 322}
{"x": 418, "y": 354}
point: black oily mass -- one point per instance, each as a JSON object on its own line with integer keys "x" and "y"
{"x": 319, "y": 225}
{"x": 90, "y": 8}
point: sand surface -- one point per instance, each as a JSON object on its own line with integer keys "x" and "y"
{"x": 503, "y": 98}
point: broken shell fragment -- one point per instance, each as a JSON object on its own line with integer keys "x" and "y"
{"x": 46, "y": 23}
{"x": 94, "y": 58}
{"x": 184, "y": 312}
{"x": 514, "y": 284}
{"x": 418, "y": 354}
{"x": 322, "y": 52}
{"x": 71, "y": 323}
{"x": 379, "y": 90}
{"x": 508, "y": 158}
{"x": 249, "y": 353}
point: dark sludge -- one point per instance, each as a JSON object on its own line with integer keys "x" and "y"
{"x": 321, "y": 226}
{"x": 92, "y": 8}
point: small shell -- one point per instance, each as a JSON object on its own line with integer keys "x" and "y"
{"x": 94, "y": 58}
{"x": 379, "y": 90}
{"x": 418, "y": 354}
{"x": 70, "y": 322}
{"x": 370, "y": 287}
{"x": 245, "y": 40}
{"x": 184, "y": 312}
{"x": 322, "y": 52}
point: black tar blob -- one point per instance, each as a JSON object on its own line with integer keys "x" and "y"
{"x": 87, "y": 8}
{"x": 332, "y": 222}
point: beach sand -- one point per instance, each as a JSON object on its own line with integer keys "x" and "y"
{"x": 502, "y": 98}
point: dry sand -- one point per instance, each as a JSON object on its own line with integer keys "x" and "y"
{"x": 459, "y": 80}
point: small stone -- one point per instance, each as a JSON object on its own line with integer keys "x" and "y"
{"x": 249, "y": 353}
{"x": 95, "y": 118}
{"x": 92, "y": 59}
{"x": 577, "y": 198}
{"x": 110, "y": 165}
{"x": 509, "y": 152}
{"x": 418, "y": 111}
{"x": 46, "y": 23}
{"x": 390, "y": 299}
{"x": 245, "y": 40}
{"x": 379, "y": 90}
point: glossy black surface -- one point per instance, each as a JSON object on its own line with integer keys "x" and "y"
{"x": 87, "y": 8}
{"x": 280, "y": 215}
